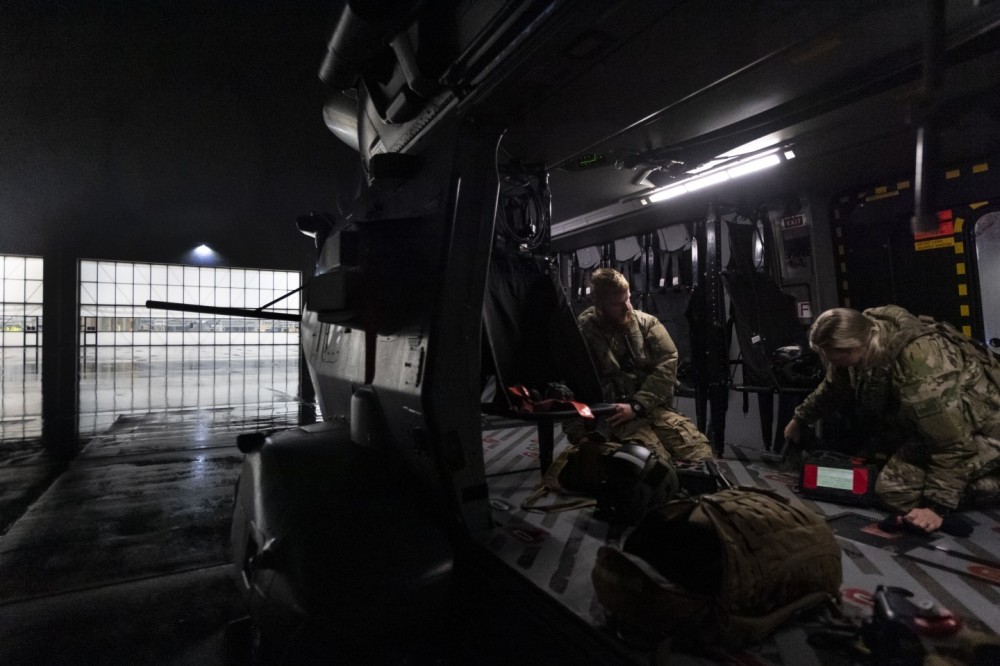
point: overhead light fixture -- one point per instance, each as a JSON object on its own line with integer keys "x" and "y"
{"x": 707, "y": 179}
{"x": 203, "y": 251}
{"x": 715, "y": 171}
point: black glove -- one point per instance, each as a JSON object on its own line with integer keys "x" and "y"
{"x": 956, "y": 525}
{"x": 952, "y": 524}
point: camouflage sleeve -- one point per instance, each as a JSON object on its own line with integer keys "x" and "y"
{"x": 832, "y": 393}
{"x": 928, "y": 373}
{"x": 658, "y": 387}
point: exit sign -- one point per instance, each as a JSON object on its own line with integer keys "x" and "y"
{"x": 793, "y": 221}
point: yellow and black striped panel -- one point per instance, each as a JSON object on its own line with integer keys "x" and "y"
{"x": 933, "y": 273}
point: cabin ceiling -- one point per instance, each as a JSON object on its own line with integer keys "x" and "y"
{"x": 617, "y": 98}
{"x": 669, "y": 85}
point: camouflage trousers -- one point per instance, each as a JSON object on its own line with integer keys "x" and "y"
{"x": 900, "y": 484}
{"x": 666, "y": 432}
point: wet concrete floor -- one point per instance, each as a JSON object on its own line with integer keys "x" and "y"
{"x": 121, "y": 556}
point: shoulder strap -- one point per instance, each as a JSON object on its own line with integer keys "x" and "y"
{"x": 906, "y": 335}
{"x": 568, "y": 504}
{"x": 550, "y": 483}
{"x": 989, "y": 360}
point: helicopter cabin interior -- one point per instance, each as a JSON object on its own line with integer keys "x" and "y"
{"x": 745, "y": 166}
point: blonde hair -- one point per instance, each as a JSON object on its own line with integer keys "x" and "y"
{"x": 606, "y": 283}
{"x": 843, "y": 328}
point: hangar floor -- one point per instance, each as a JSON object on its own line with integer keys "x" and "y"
{"x": 123, "y": 557}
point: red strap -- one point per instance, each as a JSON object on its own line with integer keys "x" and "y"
{"x": 529, "y": 404}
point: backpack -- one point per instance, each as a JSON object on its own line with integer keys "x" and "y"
{"x": 913, "y": 327}
{"x": 728, "y": 567}
{"x": 978, "y": 350}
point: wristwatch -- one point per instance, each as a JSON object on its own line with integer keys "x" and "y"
{"x": 637, "y": 408}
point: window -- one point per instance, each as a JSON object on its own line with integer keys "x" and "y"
{"x": 136, "y": 360}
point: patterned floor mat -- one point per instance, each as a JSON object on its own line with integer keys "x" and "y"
{"x": 556, "y": 551}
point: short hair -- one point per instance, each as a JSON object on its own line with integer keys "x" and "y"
{"x": 606, "y": 283}
{"x": 844, "y": 327}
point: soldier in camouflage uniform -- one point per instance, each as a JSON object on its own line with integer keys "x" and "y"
{"x": 637, "y": 363}
{"x": 936, "y": 394}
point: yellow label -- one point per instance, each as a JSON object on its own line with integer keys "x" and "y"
{"x": 979, "y": 204}
{"x": 954, "y": 173}
{"x": 967, "y": 331}
{"x": 964, "y": 309}
{"x": 959, "y": 247}
{"x": 876, "y": 197}
{"x": 959, "y": 223}
{"x": 979, "y": 168}
{"x": 963, "y": 290}
{"x": 960, "y": 268}
{"x": 903, "y": 185}
{"x": 933, "y": 243}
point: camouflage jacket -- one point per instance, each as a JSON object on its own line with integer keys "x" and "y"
{"x": 933, "y": 387}
{"x": 650, "y": 376}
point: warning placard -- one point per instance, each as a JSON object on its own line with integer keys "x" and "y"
{"x": 934, "y": 243}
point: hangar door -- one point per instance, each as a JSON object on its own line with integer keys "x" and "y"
{"x": 137, "y": 360}
{"x": 21, "y": 340}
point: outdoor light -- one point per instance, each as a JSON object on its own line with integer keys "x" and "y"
{"x": 203, "y": 254}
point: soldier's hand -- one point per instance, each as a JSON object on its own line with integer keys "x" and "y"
{"x": 925, "y": 519}
{"x": 793, "y": 430}
{"x": 623, "y": 414}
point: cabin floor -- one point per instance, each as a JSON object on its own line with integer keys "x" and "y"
{"x": 557, "y": 550}
{"x": 121, "y": 556}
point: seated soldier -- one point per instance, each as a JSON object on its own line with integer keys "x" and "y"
{"x": 936, "y": 399}
{"x": 637, "y": 364}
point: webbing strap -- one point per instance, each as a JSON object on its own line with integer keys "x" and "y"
{"x": 568, "y": 504}
{"x": 549, "y": 484}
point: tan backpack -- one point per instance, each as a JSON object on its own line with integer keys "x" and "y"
{"x": 731, "y": 567}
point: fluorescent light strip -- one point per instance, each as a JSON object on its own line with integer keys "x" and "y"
{"x": 706, "y": 181}
{"x": 669, "y": 193}
{"x": 741, "y": 168}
